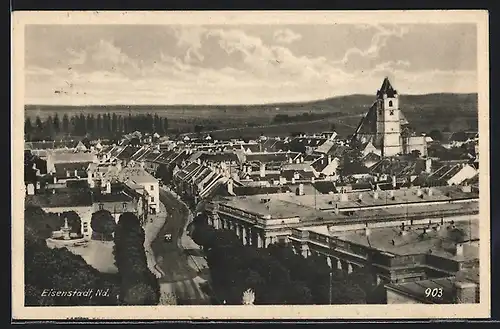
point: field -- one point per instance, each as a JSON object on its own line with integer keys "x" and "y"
{"x": 446, "y": 112}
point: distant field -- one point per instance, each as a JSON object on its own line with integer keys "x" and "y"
{"x": 425, "y": 112}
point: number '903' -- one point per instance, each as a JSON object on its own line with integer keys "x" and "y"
{"x": 434, "y": 292}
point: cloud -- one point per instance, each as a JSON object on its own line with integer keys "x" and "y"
{"x": 378, "y": 41}
{"x": 286, "y": 36}
{"x": 190, "y": 38}
{"x": 247, "y": 68}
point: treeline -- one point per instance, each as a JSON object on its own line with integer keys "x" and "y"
{"x": 56, "y": 270}
{"x": 276, "y": 274}
{"x": 138, "y": 285}
{"x": 97, "y": 126}
{"x": 306, "y": 116}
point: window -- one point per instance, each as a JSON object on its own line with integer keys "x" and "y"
{"x": 152, "y": 187}
{"x": 124, "y": 206}
{"x": 380, "y": 112}
{"x": 101, "y": 206}
{"x": 392, "y": 112}
{"x": 152, "y": 199}
{"x": 390, "y": 103}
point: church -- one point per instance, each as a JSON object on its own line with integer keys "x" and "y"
{"x": 385, "y": 130}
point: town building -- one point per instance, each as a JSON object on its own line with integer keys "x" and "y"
{"x": 385, "y": 126}
{"x": 118, "y": 198}
{"x": 144, "y": 183}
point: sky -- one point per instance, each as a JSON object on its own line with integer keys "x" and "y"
{"x": 243, "y": 64}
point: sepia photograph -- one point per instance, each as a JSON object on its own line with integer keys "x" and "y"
{"x": 250, "y": 165}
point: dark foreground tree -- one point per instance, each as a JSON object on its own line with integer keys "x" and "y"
{"x": 138, "y": 285}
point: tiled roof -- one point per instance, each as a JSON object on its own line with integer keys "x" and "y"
{"x": 119, "y": 193}
{"x": 62, "y": 198}
{"x": 63, "y": 168}
{"x": 127, "y": 152}
{"x": 271, "y": 157}
{"x": 386, "y": 88}
{"x": 67, "y": 157}
{"x": 254, "y": 190}
{"x": 218, "y": 157}
{"x": 324, "y": 187}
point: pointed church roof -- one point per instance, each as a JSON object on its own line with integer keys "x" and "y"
{"x": 386, "y": 88}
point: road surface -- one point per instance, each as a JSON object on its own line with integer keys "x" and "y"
{"x": 181, "y": 275}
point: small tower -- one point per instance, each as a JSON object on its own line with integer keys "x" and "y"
{"x": 388, "y": 137}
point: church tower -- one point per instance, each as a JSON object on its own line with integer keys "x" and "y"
{"x": 388, "y": 136}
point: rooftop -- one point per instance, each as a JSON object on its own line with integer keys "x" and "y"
{"x": 137, "y": 175}
{"x": 63, "y": 197}
{"x": 310, "y": 207}
{"x": 66, "y": 157}
{"x": 420, "y": 239}
{"x": 417, "y": 289}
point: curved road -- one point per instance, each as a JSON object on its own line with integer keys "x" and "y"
{"x": 181, "y": 275}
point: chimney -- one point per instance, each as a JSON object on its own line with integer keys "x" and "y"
{"x": 428, "y": 165}
{"x": 76, "y": 173}
{"x": 230, "y": 187}
{"x": 55, "y": 179}
{"x": 459, "y": 249}
{"x": 337, "y": 210}
{"x": 38, "y": 186}
{"x": 301, "y": 189}
{"x": 329, "y": 159}
{"x": 394, "y": 181}
{"x": 466, "y": 188}
{"x": 108, "y": 187}
{"x": 262, "y": 170}
{"x": 375, "y": 195}
{"x": 465, "y": 292}
{"x": 290, "y": 160}
{"x": 53, "y": 191}
{"x": 301, "y": 159}
{"x": 293, "y": 180}
{"x": 30, "y": 189}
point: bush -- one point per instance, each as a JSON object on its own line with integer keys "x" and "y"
{"x": 103, "y": 224}
{"x": 59, "y": 269}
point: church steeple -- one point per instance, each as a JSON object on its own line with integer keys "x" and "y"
{"x": 386, "y": 89}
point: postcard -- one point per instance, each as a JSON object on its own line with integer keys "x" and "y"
{"x": 250, "y": 165}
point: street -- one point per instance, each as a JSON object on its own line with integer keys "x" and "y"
{"x": 181, "y": 276}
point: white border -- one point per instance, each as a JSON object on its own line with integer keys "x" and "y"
{"x": 19, "y": 311}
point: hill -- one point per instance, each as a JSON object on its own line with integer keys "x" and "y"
{"x": 425, "y": 112}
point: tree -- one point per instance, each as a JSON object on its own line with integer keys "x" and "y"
{"x": 103, "y": 224}
{"x": 65, "y": 124}
{"x": 59, "y": 269}
{"x": 56, "y": 124}
{"x": 138, "y": 285}
{"x": 436, "y": 135}
{"x": 38, "y": 125}
{"x": 48, "y": 128}
{"x": 74, "y": 221}
{"x": 28, "y": 128}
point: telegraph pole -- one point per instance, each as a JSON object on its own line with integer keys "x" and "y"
{"x": 330, "y": 290}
